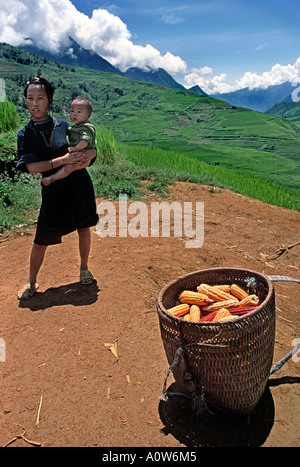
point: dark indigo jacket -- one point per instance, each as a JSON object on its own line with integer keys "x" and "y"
{"x": 29, "y": 149}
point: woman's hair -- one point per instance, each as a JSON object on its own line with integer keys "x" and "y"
{"x": 39, "y": 80}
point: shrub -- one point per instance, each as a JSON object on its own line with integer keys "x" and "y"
{"x": 9, "y": 119}
{"x": 106, "y": 146}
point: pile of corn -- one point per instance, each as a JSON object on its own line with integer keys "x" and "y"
{"x": 214, "y": 303}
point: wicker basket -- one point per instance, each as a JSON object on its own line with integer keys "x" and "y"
{"x": 227, "y": 362}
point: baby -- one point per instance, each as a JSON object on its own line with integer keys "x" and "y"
{"x": 81, "y": 135}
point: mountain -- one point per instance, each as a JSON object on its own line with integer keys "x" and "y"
{"x": 197, "y": 90}
{"x": 159, "y": 76}
{"x": 257, "y": 99}
{"x": 75, "y": 55}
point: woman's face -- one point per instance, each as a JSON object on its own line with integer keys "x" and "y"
{"x": 37, "y": 102}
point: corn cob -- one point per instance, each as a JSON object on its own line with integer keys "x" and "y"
{"x": 227, "y": 318}
{"x": 187, "y": 317}
{"x": 222, "y": 314}
{"x": 179, "y": 310}
{"x": 194, "y": 298}
{"x": 195, "y": 313}
{"x": 250, "y": 300}
{"x": 215, "y": 293}
{"x": 224, "y": 287}
{"x": 238, "y": 292}
{"x": 209, "y": 316}
{"x": 202, "y": 288}
{"x": 218, "y": 305}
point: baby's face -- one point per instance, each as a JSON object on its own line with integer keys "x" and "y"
{"x": 79, "y": 113}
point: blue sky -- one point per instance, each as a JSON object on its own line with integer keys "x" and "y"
{"x": 219, "y": 44}
{"x": 241, "y": 35}
{"x": 229, "y": 36}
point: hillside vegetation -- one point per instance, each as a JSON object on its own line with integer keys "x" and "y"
{"x": 289, "y": 111}
{"x": 209, "y": 134}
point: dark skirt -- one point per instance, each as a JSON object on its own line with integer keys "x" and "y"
{"x": 67, "y": 205}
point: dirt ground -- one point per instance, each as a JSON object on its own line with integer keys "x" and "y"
{"x": 65, "y": 387}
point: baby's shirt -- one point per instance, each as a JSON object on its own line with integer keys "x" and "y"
{"x": 82, "y": 131}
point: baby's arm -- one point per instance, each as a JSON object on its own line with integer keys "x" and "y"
{"x": 81, "y": 145}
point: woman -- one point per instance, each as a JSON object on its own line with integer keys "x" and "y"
{"x": 68, "y": 204}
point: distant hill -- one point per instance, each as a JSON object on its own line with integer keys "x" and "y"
{"x": 197, "y": 90}
{"x": 75, "y": 55}
{"x": 258, "y": 99}
{"x": 287, "y": 110}
{"x": 158, "y": 76}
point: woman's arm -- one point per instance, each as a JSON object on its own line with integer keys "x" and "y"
{"x": 45, "y": 166}
{"x": 85, "y": 156}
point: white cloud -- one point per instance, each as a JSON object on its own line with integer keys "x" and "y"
{"x": 171, "y": 18}
{"x": 49, "y": 23}
{"x": 211, "y": 84}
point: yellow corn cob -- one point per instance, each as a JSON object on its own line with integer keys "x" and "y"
{"x": 194, "y": 298}
{"x": 227, "y": 318}
{"x": 187, "y": 317}
{"x": 179, "y": 310}
{"x": 224, "y": 287}
{"x": 203, "y": 287}
{"x": 215, "y": 293}
{"x": 195, "y": 313}
{"x": 222, "y": 314}
{"x": 218, "y": 305}
{"x": 238, "y": 292}
{"x": 250, "y": 300}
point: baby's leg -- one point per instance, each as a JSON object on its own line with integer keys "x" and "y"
{"x": 63, "y": 172}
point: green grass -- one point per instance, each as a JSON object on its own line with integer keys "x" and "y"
{"x": 181, "y": 167}
{"x": 24, "y": 201}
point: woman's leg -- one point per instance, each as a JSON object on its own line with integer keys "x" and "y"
{"x": 36, "y": 260}
{"x": 84, "y": 247}
{"x": 86, "y": 276}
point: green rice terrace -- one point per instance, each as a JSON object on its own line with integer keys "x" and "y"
{"x": 150, "y": 132}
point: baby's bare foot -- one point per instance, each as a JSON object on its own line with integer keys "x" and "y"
{"x": 47, "y": 181}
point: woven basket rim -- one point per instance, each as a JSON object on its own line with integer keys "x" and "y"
{"x": 237, "y": 319}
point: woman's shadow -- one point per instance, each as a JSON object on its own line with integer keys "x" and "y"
{"x": 215, "y": 428}
{"x": 74, "y": 294}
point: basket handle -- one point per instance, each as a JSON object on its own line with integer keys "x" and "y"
{"x": 281, "y": 362}
{"x": 290, "y": 354}
{"x": 283, "y": 279}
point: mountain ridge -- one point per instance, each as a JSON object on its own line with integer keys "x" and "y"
{"x": 76, "y": 55}
{"x": 258, "y": 99}
{"x": 261, "y": 100}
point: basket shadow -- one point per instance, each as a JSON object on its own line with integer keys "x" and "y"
{"x": 74, "y": 294}
{"x": 218, "y": 429}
